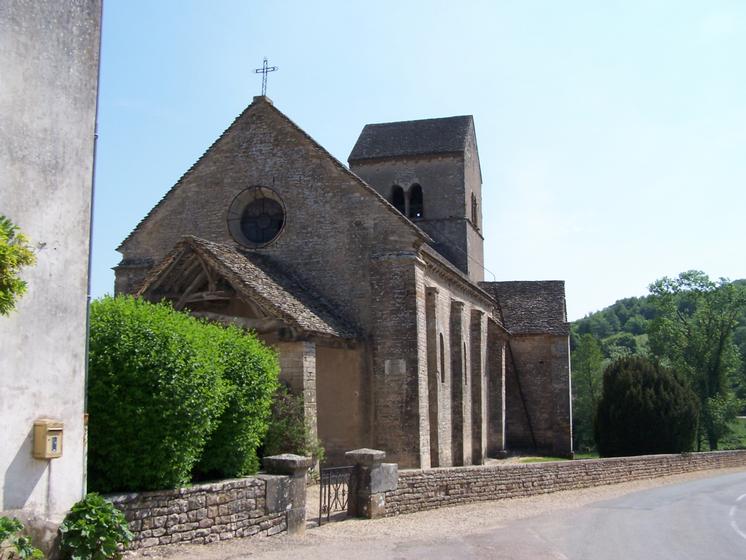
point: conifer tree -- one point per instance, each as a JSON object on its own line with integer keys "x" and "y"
{"x": 645, "y": 409}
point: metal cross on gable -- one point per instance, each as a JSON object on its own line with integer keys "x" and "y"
{"x": 264, "y": 70}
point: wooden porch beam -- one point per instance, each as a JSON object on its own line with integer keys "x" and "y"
{"x": 196, "y": 283}
{"x": 209, "y": 296}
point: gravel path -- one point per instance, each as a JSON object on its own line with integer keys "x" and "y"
{"x": 362, "y": 538}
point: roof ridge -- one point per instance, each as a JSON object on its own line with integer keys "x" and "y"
{"x": 471, "y": 117}
{"x": 255, "y": 103}
{"x": 186, "y": 173}
{"x": 359, "y": 180}
{"x": 282, "y": 278}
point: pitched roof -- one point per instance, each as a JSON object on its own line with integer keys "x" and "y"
{"x": 531, "y": 307}
{"x": 410, "y": 138}
{"x": 263, "y": 101}
{"x": 262, "y": 282}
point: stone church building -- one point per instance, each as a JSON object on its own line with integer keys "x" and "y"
{"x": 368, "y": 280}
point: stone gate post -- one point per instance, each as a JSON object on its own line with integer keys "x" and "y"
{"x": 370, "y": 481}
{"x": 294, "y": 499}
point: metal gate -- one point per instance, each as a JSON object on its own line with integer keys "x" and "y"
{"x": 334, "y": 491}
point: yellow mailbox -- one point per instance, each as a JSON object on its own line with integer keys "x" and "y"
{"x": 47, "y": 438}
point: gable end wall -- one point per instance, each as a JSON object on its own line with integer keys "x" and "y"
{"x": 333, "y": 226}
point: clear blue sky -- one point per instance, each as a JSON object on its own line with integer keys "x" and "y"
{"x": 612, "y": 135}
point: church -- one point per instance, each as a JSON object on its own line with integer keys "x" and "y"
{"x": 368, "y": 281}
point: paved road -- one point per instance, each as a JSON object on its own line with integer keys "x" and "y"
{"x": 693, "y": 516}
{"x": 702, "y": 519}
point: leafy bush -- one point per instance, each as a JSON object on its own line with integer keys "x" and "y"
{"x": 94, "y": 530}
{"x": 288, "y": 431}
{"x": 736, "y": 438}
{"x": 250, "y": 372}
{"x": 644, "y": 409}
{"x": 13, "y": 543}
{"x": 154, "y": 394}
{"x": 15, "y": 253}
{"x": 170, "y": 396}
{"x": 719, "y": 413}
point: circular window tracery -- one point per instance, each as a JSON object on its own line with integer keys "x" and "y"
{"x": 256, "y": 216}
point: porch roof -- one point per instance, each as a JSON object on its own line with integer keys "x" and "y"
{"x": 255, "y": 278}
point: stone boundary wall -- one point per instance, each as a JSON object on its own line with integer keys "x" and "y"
{"x": 206, "y": 513}
{"x": 420, "y": 490}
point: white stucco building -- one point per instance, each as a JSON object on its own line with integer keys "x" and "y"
{"x": 49, "y": 60}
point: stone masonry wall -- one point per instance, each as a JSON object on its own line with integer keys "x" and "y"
{"x": 495, "y": 388}
{"x": 420, "y": 490}
{"x": 206, "y": 513}
{"x": 333, "y": 223}
{"x": 448, "y": 182}
{"x": 453, "y": 389}
{"x": 541, "y": 363}
{"x": 342, "y": 392}
{"x": 395, "y": 360}
{"x": 298, "y": 370}
{"x": 474, "y": 231}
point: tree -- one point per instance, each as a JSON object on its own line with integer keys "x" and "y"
{"x": 645, "y": 409}
{"x": 619, "y": 345}
{"x": 15, "y": 253}
{"x": 636, "y": 325}
{"x": 693, "y": 333}
{"x": 739, "y": 381}
{"x": 587, "y": 368}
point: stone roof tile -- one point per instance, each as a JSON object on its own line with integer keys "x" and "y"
{"x": 531, "y": 307}
{"x": 256, "y": 278}
{"x": 410, "y": 138}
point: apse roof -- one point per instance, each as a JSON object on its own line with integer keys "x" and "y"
{"x": 531, "y": 307}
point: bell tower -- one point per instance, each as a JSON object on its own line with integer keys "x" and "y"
{"x": 429, "y": 170}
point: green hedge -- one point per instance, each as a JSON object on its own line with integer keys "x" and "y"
{"x": 645, "y": 409}
{"x": 160, "y": 383}
{"x": 250, "y": 372}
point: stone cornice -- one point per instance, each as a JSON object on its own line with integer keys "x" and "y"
{"x": 456, "y": 279}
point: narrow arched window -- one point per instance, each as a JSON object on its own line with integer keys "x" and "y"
{"x": 474, "y": 210}
{"x": 415, "y": 202}
{"x": 397, "y": 198}
{"x": 442, "y": 360}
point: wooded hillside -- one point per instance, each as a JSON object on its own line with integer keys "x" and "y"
{"x": 682, "y": 324}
